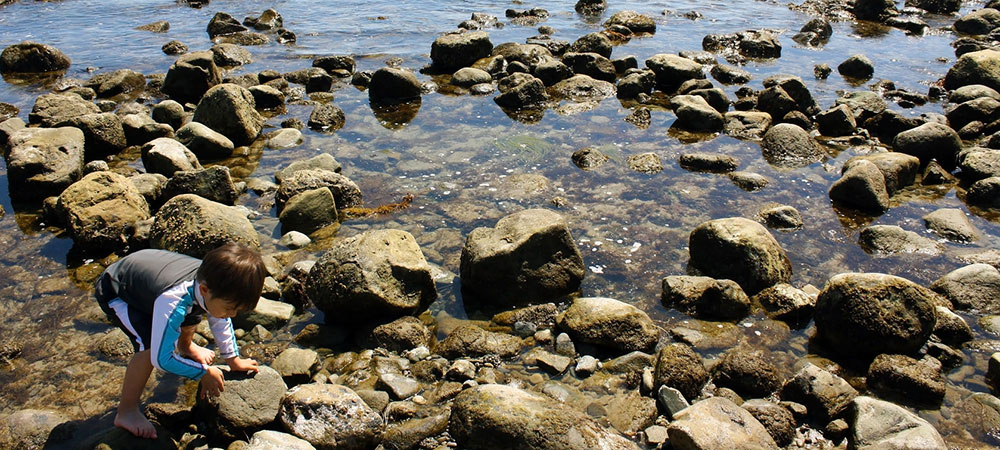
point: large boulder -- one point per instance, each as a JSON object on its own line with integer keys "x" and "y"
{"x": 323, "y": 161}
{"x": 583, "y": 88}
{"x": 249, "y": 402}
{"x": 672, "y": 70}
{"x": 635, "y": 22}
{"x": 484, "y": 416}
{"x": 741, "y": 250}
{"x": 327, "y": 117}
{"x": 192, "y": 225}
{"x": 33, "y": 429}
{"x": 609, "y": 323}
{"x": 975, "y": 287}
{"x": 166, "y": 156}
{"x": 529, "y": 257}
{"x": 204, "y": 141}
{"x": 32, "y": 57}
{"x": 191, "y": 76}
{"x": 103, "y": 133}
{"x": 717, "y": 423}
{"x": 214, "y": 183}
{"x": 389, "y": 84}
{"x": 705, "y": 297}
{"x": 889, "y": 239}
{"x": 984, "y": 193}
{"x": 978, "y": 22}
{"x": 140, "y": 129}
{"x": 309, "y": 211}
{"x": 694, "y": 113}
{"x": 747, "y": 371}
{"x": 951, "y": 224}
{"x": 898, "y": 169}
{"x": 907, "y": 380}
{"x": 229, "y": 109}
{"x": 929, "y": 141}
{"x": 877, "y": 424}
{"x": 43, "y": 161}
{"x": 865, "y": 314}
{"x": 99, "y": 209}
{"x": 454, "y": 51}
{"x": 592, "y": 43}
{"x": 50, "y": 109}
{"x": 788, "y": 145}
{"x": 680, "y": 368}
{"x": 826, "y": 395}
{"x": 345, "y": 193}
{"x": 874, "y": 10}
{"x": 330, "y": 416}
{"x": 982, "y": 67}
{"x": 378, "y": 274}
{"x": 521, "y": 90}
{"x": 861, "y": 186}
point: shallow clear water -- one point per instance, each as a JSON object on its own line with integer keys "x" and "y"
{"x": 468, "y": 164}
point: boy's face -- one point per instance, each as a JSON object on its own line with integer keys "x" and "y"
{"x": 217, "y": 307}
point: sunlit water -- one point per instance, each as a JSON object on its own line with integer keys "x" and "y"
{"x": 467, "y": 164}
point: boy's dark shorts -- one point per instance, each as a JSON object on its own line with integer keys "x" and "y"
{"x": 136, "y": 324}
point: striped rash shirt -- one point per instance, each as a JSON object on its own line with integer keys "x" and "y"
{"x": 169, "y": 311}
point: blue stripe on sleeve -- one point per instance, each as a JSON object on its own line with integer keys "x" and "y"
{"x": 168, "y": 358}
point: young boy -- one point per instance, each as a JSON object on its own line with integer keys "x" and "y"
{"x": 157, "y": 298}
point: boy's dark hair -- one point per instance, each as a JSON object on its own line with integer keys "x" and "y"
{"x": 234, "y": 272}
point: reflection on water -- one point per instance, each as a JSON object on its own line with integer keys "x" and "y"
{"x": 467, "y": 163}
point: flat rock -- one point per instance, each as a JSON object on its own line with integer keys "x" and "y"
{"x": 974, "y": 287}
{"x": 609, "y": 323}
{"x": 890, "y": 239}
{"x": 951, "y": 224}
{"x": 717, "y": 423}
{"x": 330, "y": 416}
{"x": 877, "y": 424}
{"x": 741, "y": 250}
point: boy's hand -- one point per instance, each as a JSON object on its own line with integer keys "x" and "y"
{"x": 242, "y": 365}
{"x": 212, "y": 383}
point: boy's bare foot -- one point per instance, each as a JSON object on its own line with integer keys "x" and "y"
{"x": 136, "y": 423}
{"x": 198, "y": 353}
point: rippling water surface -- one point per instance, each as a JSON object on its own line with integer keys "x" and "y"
{"x": 467, "y": 164}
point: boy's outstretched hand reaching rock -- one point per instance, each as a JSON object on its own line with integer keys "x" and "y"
{"x": 213, "y": 382}
{"x": 242, "y": 365}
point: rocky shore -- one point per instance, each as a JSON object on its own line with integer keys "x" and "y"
{"x": 126, "y": 160}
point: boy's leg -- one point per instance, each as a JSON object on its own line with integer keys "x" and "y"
{"x": 186, "y": 347}
{"x": 129, "y": 417}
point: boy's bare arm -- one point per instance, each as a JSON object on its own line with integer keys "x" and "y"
{"x": 187, "y": 348}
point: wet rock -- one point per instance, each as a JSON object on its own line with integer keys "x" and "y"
{"x": 222, "y": 24}
{"x": 229, "y": 110}
{"x": 589, "y": 158}
{"x": 174, "y": 47}
{"x": 985, "y": 192}
{"x": 294, "y": 240}
{"x": 552, "y": 363}
{"x": 34, "y": 429}
{"x": 590, "y": 7}
{"x": 740, "y": 250}
{"x": 898, "y": 169}
{"x": 214, "y": 183}
{"x": 978, "y": 22}
{"x": 32, "y": 57}
{"x": 647, "y": 163}
{"x": 631, "y": 413}
{"x": 591, "y": 64}
{"x": 951, "y": 328}
{"x": 230, "y": 55}
{"x": 972, "y": 92}
{"x": 583, "y": 88}
{"x": 975, "y": 287}
{"x": 192, "y": 225}
{"x": 979, "y": 67}
{"x": 345, "y": 193}
{"x": 168, "y": 112}
{"x": 330, "y": 416}
{"x": 637, "y": 83}
{"x": 705, "y": 298}
{"x": 777, "y": 419}
{"x": 268, "y": 314}
{"x": 204, "y": 141}
{"x": 708, "y": 162}
{"x": 451, "y": 52}
{"x": 309, "y": 211}
{"x": 166, "y": 156}
{"x": 274, "y": 440}
{"x": 874, "y": 10}
{"x": 864, "y": 104}
{"x": 485, "y": 415}
{"x": 531, "y": 253}
{"x": 544, "y": 314}
{"x": 993, "y": 371}
{"x": 936, "y": 6}
{"x": 249, "y": 402}
{"x": 905, "y": 379}
{"x": 609, "y": 323}
{"x": 327, "y": 118}
{"x": 468, "y": 76}
{"x": 980, "y": 415}
{"x": 979, "y": 163}
{"x": 951, "y": 224}
{"x": 100, "y": 209}
{"x": 862, "y": 186}
{"x": 402, "y": 334}
{"x": 857, "y": 66}
{"x": 103, "y": 133}
{"x": 786, "y": 302}
{"x": 191, "y": 76}
{"x": 890, "y": 239}
{"x": 788, "y": 145}
{"x": 468, "y": 341}
{"x": 837, "y": 121}
{"x": 50, "y": 109}
{"x": 140, "y": 129}
{"x": 880, "y": 424}
{"x": 119, "y": 82}
{"x": 730, "y": 75}
{"x": 8, "y": 127}
{"x": 284, "y": 138}
{"x": 411, "y": 433}
{"x": 296, "y": 364}
{"x": 780, "y": 217}
{"x": 323, "y": 161}
{"x": 747, "y": 371}
{"x": 635, "y": 22}
{"x": 43, "y": 161}
{"x": 389, "y": 84}
{"x": 375, "y": 275}
{"x": 746, "y": 124}
{"x": 335, "y": 64}
{"x": 679, "y": 367}
{"x": 695, "y": 114}
{"x": 521, "y": 90}
{"x": 672, "y": 70}
{"x": 717, "y": 423}
{"x": 149, "y": 185}
{"x": 267, "y": 21}
{"x": 550, "y": 72}
{"x": 826, "y": 395}
{"x": 865, "y": 314}
{"x": 815, "y": 33}
{"x": 592, "y": 43}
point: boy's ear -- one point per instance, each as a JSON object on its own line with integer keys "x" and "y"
{"x": 204, "y": 290}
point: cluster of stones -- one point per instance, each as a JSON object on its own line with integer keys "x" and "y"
{"x": 413, "y": 387}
